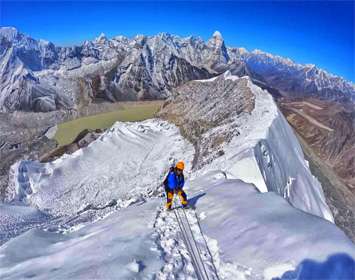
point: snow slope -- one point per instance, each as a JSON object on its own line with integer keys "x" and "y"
{"x": 270, "y": 156}
{"x": 127, "y": 161}
{"x": 124, "y": 166}
{"x": 246, "y": 228}
{"x": 122, "y": 246}
{"x": 16, "y": 219}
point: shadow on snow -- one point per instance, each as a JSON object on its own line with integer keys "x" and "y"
{"x": 336, "y": 267}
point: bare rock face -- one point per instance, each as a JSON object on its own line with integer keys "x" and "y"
{"x": 219, "y": 56}
{"x": 209, "y": 105}
{"x": 329, "y": 129}
{"x": 36, "y": 75}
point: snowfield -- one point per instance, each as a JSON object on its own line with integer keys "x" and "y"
{"x": 261, "y": 231}
{"x": 99, "y": 213}
{"x": 125, "y": 163}
{"x": 122, "y": 246}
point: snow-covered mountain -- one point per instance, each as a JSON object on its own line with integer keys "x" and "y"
{"x": 99, "y": 212}
{"x": 236, "y": 127}
{"x": 297, "y": 80}
{"x": 37, "y": 75}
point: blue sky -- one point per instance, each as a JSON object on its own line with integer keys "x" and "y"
{"x": 320, "y": 33}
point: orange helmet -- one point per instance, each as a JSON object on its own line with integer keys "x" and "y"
{"x": 180, "y": 165}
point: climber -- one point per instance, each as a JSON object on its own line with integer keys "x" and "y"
{"x": 174, "y": 182}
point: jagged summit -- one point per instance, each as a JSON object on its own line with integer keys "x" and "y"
{"x": 101, "y": 38}
{"x": 9, "y": 32}
{"x": 217, "y": 34}
{"x": 216, "y": 39}
{"x": 8, "y": 29}
{"x": 149, "y": 67}
{"x": 164, "y": 35}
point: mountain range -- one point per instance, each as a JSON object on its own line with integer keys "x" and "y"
{"x": 37, "y": 75}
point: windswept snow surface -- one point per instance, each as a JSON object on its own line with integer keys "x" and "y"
{"x": 126, "y": 162}
{"x": 15, "y": 219}
{"x": 122, "y": 246}
{"x": 247, "y": 228}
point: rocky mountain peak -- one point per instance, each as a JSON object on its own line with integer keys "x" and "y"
{"x": 203, "y": 105}
{"x": 101, "y": 39}
{"x": 220, "y": 53}
{"x": 216, "y": 40}
{"x": 9, "y": 33}
{"x": 140, "y": 40}
{"x": 217, "y": 34}
{"x": 164, "y": 35}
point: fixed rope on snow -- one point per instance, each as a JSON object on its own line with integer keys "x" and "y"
{"x": 192, "y": 245}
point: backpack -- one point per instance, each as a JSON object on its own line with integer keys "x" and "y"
{"x": 165, "y": 182}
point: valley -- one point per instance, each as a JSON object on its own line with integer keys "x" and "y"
{"x": 338, "y": 196}
{"x": 328, "y": 128}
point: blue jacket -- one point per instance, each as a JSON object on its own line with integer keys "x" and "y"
{"x": 174, "y": 181}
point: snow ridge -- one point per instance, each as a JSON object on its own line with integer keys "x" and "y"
{"x": 249, "y": 140}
